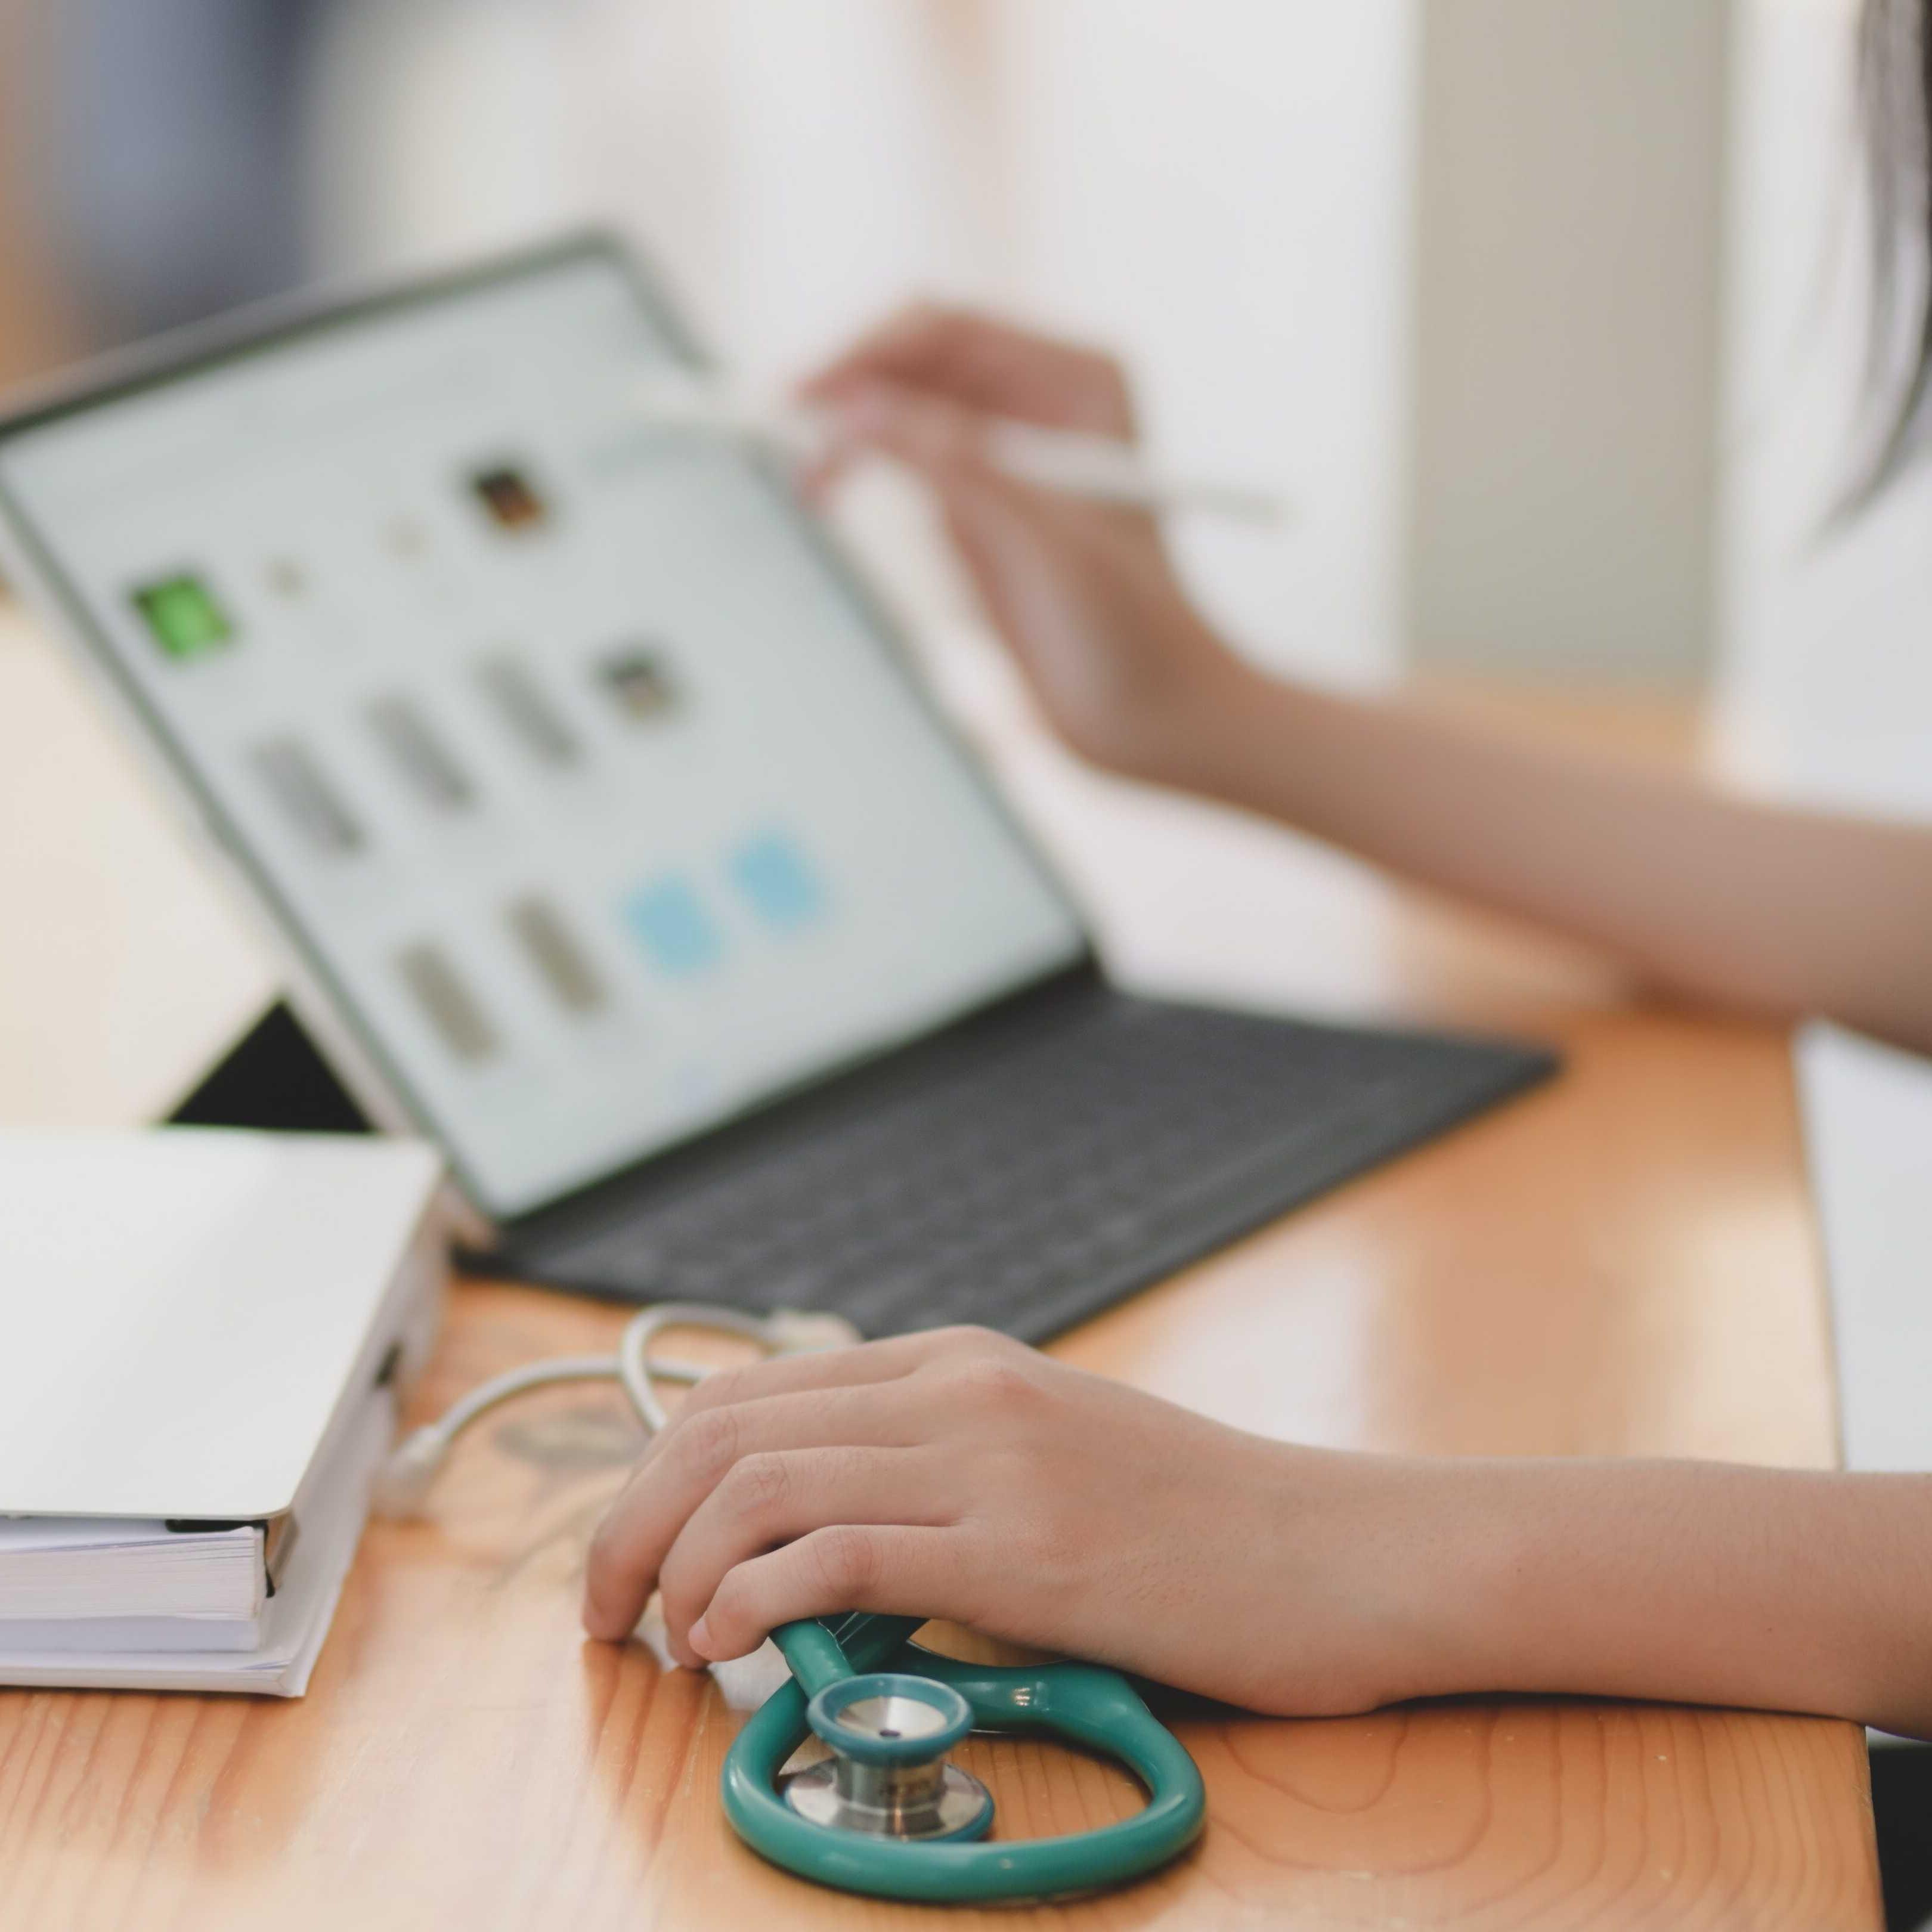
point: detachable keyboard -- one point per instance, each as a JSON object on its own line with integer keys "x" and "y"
{"x": 1040, "y": 1178}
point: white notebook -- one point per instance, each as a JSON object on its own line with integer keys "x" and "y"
{"x": 277, "y": 1651}
{"x": 203, "y": 1329}
{"x": 56, "y": 1566}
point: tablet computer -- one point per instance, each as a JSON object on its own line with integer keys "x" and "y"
{"x": 581, "y": 779}
{"x": 593, "y": 804}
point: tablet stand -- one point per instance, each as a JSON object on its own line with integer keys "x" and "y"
{"x": 272, "y": 1077}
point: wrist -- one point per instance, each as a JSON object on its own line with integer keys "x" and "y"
{"x": 1186, "y": 737}
{"x": 1390, "y": 1564}
{"x": 1471, "y": 1597}
{"x": 1437, "y": 1580}
{"x": 1620, "y": 1578}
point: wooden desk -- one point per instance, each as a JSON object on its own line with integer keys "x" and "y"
{"x": 1622, "y": 1263}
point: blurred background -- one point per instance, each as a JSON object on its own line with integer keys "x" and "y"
{"x": 1529, "y": 302}
{"x": 1548, "y": 313}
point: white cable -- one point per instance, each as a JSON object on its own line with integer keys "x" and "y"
{"x": 636, "y": 1371}
{"x": 403, "y": 1484}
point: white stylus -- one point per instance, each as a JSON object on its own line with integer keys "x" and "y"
{"x": 1054, "y": 459}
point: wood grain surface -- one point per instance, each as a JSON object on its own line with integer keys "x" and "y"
{"x": 1620, "y": 1263}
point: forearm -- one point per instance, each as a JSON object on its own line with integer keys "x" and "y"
{"x": 1696, "y": 1582}
{"x": 1780, "y": 911}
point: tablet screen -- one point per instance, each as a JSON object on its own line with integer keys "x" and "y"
{"x": 579, "y": 774}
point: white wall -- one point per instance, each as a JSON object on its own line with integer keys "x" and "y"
{"x": 1567, "y": 316}
{"x": 1223, "y": 188}
{"x": 1230, "y": 190}
{"x": 1220, "y": 188}
{"x": 1824, "y": 681}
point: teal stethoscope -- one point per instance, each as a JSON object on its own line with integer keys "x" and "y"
{"x": 886, "y": 1812}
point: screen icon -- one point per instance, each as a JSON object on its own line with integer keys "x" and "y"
{"x": 639, "y": 682}
{"x": 184, "y": 617}
{"x": 777, "y": 878}
{"x": 521, "y": 704}
{"x": 310, "y": 803}
{"x": 540, "y": 929}
{"x": 446, "y": 1001}
{"x": 511, "y": 498}
{"x": 421, "y": 758}
{"x": 671, "y": 924}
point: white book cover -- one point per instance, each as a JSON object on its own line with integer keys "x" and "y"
{"x": 208, "y": 1325}
{"x": 186, "y": 1309}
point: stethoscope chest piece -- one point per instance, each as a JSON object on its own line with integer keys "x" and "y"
{"x": 889, "y": 1815}
{"x": 886, "y": 1814}
{"x": 889, "y": 1776}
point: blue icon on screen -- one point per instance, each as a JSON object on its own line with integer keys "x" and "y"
{"x": 778, "y": 881}
{"x": 671, "y": 924}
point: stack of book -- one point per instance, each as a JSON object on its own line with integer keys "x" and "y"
{"x": 202, "y": 1337}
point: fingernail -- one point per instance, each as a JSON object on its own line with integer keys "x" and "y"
{"x": 699, "y": 1638}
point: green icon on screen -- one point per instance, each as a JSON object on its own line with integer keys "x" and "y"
{"x": 184, "y": 616}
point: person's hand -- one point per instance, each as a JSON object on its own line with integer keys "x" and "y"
{"x": 960, "y": 1474}
{"x": 1126, "y": 669}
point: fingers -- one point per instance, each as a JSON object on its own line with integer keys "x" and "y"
{"x": 863, "y": 1363}
{"x": 945, "y": 443}
{"x": 866, "y": 1396}
{"x": 933, "y": 433}
{"x": 689, "y": 1462}
{"x": 987, "y": 366}
{"x": 768, "y": 1499}
{"x": 939, "y": 435}
{"x": 898, "y": 1570}
{"x": 923, "y": 342}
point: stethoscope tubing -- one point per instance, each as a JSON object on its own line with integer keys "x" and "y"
{"x": 1089, "y": 1706}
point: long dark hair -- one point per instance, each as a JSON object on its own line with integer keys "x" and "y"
{"x": 1894, "y": 70}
